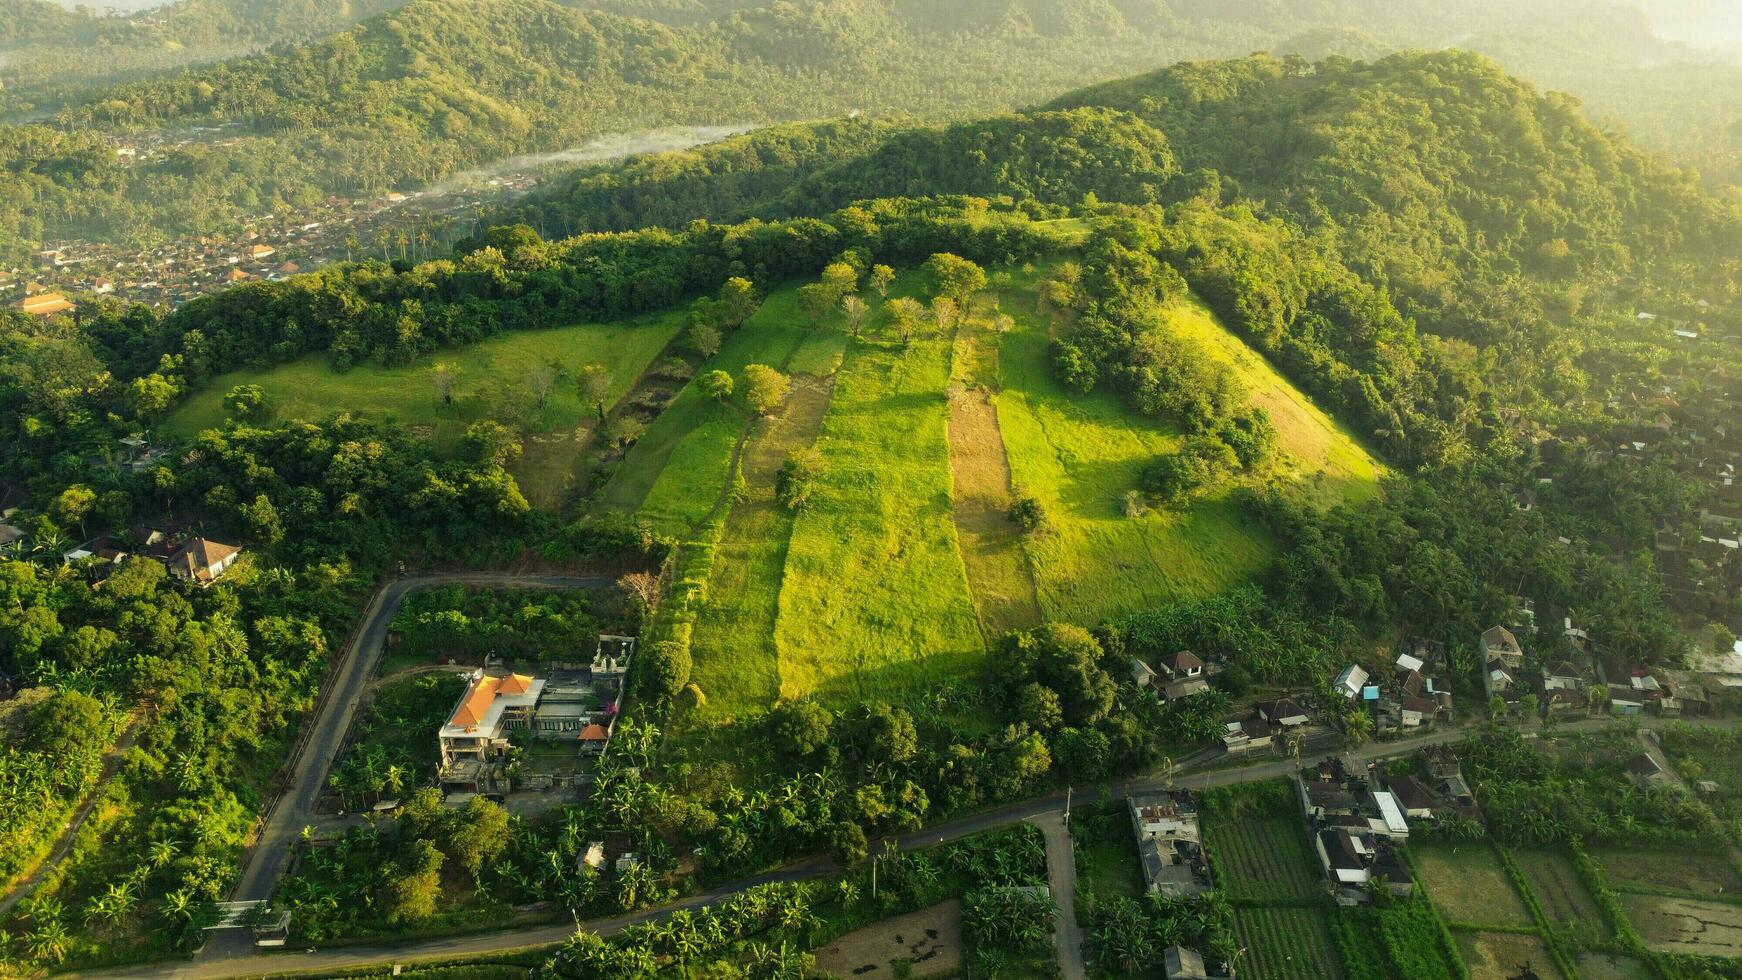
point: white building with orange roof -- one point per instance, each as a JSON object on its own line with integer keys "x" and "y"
{"x": 489, "y": 708}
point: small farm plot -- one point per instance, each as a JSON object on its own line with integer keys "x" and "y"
{"x": 920, "y": 944}
{"x": 1686, "y": 925}
{"x": 1504, "y": 955}
{"x": 1258, "y": 845}
{"x": 1663, "y": 869}
{"x": 1561, "y": 892}
{"x": 1469, "y": 885}
{"x": 1287, "y": 944}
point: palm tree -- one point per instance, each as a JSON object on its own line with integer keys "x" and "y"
{"x": 178, "y": 905}
{"x": 50, "y": 941}
{"x": 162, "y": 852}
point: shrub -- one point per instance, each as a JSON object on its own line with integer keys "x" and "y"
{"x": 1026, "y": 513}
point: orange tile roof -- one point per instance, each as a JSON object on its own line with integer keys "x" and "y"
{"x": 471, "y": 711}
{"x": 594, "y": 733}
{"x": 47, "y": 304}
{"x": 515, "y": 684}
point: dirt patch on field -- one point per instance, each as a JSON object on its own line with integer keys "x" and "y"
{"x": 1686, "y": 925}
{"x": 998, "y": 572}
{"x": 930, "y": 940}
{"x": 1503, "y": 955}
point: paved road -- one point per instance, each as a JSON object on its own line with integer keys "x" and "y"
{"x": 111, "y": 765}
{"x": 347, "y": 684}
{"x": 1061, "y": 876}
{"x": 250, "y": 962}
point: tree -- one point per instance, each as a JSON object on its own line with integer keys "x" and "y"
{"x": 815, "y": 299}
{"x": 716, "y": 385}
{"x": 1026, "y": 513}
{"x": 840, "y": 278}
{"x": 444, "y": 375}
{"x": 847, "y": 843}
{"x": 737, "y": 302}
{"x": 1529, "y": 707}
{"x": 624, "y": 430}
{"x": 798, "y": 478}
{"x": 705, "y": 339}
{"x": 945, "y": 313}
{"x": 73, "y": 505}
{"x": 856, "y": 310}
{"x": 246, "y": 401}
{"x": 540, "y": 380}
{"x": 801, "y": 731}
{"x": 903, "y": 314}
{"x": 1065, "y": 659}
{"x": 665, "y": 670}
{"x": 263, "y": 522}
{"x": 765, "y": 389}
{"x": 412, "y": 890}
{"x": 477, "y": 835}
{"x": 881, "y": 278}
{"x": 1039, "y": 706}
{"x": 643, "y": 588}
{"x": 954, "y": 277}
{"x": 492, "y": 443}
{"x": 594, "y": 382}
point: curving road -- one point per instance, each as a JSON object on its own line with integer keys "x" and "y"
{"x": 337, "y": 705}
{"x": 246, "y": 960}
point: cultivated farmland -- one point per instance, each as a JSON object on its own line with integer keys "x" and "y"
{"x": 875, "y": 599}
{"x": 1686, "y": 925}
{"x": 1560, "y": 891}
{"x": 1079, "y": 456}
{"x": 1258, "y": 845}
{"x": 1469, "y": 884}
{"x": 1287, "y": 943}
{"x": 1697, "y": 872}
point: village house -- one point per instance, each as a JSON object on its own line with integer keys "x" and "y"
{"x": 1350, "y": 682}
{"x": 1497, "y": 678}
{"x": 1184, "y": 963}
{"x": 1624, "y": 699}
{"x": 1498, "y": 643}
{"x": 1142, "y": 674}
{"x": 47, "y": 304}
{"x": 1169, "y": 844}
{"x": 1184, "y": 687}
{"x": 1283, "y": 712}
{"x": 1182, "y": 665}
{"x": 1355, "y": 832}
{"x": 1645, "y": 771}
{"x": 1244, "y": 736}
{"x": 202, "y": 562}
{"x": 1563, "y": 675}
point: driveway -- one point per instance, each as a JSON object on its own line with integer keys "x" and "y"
{"x": 1061, "y": 875}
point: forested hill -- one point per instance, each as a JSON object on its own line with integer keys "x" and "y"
{"x": 1426, "y": 163}
{"x": 36, "y": 21}
{"x": 1427, "y": 166}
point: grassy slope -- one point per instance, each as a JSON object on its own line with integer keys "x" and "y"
{"x": 674, "y": 474}
{"x": 310, "y": 389}
{"x": 875, "y": 599}
{"x": 1079, "y": 456}
{"x": 1322, "y": 456}
{"x": 736, "y": 661}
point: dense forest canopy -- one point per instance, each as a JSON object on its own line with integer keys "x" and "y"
{"x": 415, "y": 93}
